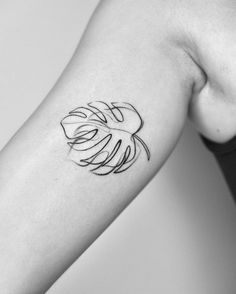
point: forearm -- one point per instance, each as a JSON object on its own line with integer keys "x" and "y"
{"x": 51, "y": 209}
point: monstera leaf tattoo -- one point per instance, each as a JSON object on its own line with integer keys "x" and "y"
{"x": 103, "y": 136}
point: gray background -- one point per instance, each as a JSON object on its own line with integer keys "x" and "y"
{"x": 179, "y": 235}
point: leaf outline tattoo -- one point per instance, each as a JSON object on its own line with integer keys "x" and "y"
{"x": 103, "y": 136}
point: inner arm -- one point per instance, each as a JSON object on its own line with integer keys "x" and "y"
{"x": 103, "y": 131}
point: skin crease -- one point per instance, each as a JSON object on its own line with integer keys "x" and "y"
{"x": 212, "y": 46}
{"x": 168, "y": 58}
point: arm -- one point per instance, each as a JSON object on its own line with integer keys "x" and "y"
{"x": 51, "y": 209}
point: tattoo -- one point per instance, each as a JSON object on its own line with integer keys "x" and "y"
{"x": 103, "y": 136}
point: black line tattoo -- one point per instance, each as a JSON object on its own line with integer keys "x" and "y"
{"x": 103, "y": 136}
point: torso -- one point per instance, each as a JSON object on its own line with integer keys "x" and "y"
{"x": 211, "y": 34}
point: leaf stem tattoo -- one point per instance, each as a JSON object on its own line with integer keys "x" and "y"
{"x": 103, "y": 136}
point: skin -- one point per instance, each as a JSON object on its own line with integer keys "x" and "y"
{"x": 213, "y": 109}
{"x": 166, "y": 58}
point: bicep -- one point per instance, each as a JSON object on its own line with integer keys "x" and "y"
{"x": 100, "y": 135}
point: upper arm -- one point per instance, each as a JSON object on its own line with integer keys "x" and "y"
{"x": 55, "y": 203}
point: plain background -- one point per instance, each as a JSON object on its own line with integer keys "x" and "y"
{"x": 179, "y": 235}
